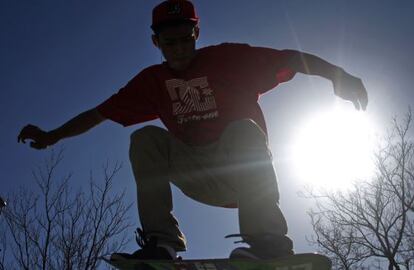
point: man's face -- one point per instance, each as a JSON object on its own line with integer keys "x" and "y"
{"x": 178, "y": 45}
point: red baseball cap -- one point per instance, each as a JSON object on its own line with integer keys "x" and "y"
{"x": 173, "y": 11}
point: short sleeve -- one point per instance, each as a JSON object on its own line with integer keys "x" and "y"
{"x": 265, "y": 68}
{"x": 132, "y": 104}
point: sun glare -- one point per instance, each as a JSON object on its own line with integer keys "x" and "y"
{"x": 332, "y": 149}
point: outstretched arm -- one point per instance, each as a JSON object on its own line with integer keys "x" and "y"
{"x": 76, "y": 126}
{"x": 345, "y": 85}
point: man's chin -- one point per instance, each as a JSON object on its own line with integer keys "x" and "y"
{"x": 179, "y": 65}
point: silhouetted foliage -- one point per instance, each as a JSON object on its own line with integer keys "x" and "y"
{"x": 50, "y": 226}
{"x": 373, "y": 221}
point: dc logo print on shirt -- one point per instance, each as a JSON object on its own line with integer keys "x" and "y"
{"x": 192, "y": 99}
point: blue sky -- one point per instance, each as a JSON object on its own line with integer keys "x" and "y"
{"x": 60, "y": 58}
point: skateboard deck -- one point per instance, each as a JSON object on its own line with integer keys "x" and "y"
{"x": 306, "y": 261}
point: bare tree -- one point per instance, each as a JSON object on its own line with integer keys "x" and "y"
{"x": 2, "y": 204}
{"x": 58, "y": 228}
{"x": 3, "y": 246}
{"x": 375, "y": 219}
{"x": 3, "y": 242}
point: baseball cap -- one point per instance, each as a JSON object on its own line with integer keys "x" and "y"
{"x": 171, "y": 11}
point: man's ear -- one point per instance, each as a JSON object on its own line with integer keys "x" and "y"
{"x": 155, "y": 41}
{"x": 196, "y": 31}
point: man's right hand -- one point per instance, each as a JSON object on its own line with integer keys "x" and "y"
{"x": 40, "y": 139}
{"x": 352, "y": 89}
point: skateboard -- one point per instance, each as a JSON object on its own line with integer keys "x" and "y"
{"x": 306, "y": 261}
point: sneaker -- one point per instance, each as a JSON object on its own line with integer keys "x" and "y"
{"x": 263, "y": 247}
{"x": 150, "y": 250}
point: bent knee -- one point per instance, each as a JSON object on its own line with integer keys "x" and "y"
{"x": 146, "y": 135}
{"x": 246, "y": 131}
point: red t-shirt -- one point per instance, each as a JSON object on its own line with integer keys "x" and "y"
{"x": 222, "y": 84}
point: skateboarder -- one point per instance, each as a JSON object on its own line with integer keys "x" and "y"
{"x": 215, "y": 146}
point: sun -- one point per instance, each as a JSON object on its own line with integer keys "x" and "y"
{"x": 334, "y": 148}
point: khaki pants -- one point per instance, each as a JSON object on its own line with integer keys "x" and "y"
{"x": 235, "y": 170}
